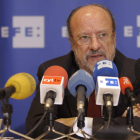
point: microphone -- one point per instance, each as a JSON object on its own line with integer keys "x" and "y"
{"x": 127, "y": 90}
{"x": 19, "y": 86}
{"x": 104, "y": 68}
{"x": 81, "y": 85}
{"x": 52, "y": 86}
{"x": 105, "y": 75}
{"x": 107, "y": 92}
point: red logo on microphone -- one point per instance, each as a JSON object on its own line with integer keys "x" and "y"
{"x": 126, "y": 81}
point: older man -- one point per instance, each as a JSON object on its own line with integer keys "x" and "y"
{"x": 92, "y": 36}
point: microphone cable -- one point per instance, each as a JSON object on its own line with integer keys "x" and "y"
{"x": 37, "y": 123}
{"x": 108, "y": 122}
{"x": 74, "y": 124}
{"x": 108, "y": 100}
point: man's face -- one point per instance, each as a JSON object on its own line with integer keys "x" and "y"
{"x": 94, "y": 22}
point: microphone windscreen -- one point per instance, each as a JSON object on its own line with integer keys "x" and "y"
{"x": 81, "y": 77}
{"x": 24, "y": 85}
{"x": 57, "y": 71}
{"x": 125, "y": 83}
{"x": 104, "y": 68}
{"x": 137, "y": 70}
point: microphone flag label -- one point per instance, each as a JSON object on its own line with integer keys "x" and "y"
{"x": 107, "y": 85}
{"x": 111, "y": 82}
{"x": 52, "y": 80}
{"x": 54, "y": 83}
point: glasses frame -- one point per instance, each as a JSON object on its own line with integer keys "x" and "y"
{"x": 76, "y": 39}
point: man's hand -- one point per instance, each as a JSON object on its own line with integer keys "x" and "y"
{"x": 136, "y": 111}
{"x": 66, "y": 121}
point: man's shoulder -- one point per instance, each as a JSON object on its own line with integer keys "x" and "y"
{"x": 125, "y": 66}
{"x": 122, "y": 59}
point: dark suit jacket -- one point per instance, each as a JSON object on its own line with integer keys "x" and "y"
{"x": 68, "y": 109}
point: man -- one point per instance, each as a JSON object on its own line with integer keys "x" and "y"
{"x": 92, "y": 36}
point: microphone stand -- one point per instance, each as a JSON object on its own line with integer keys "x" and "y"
{"x": 49, "y": 102}
{"x": 81, "y": 125}
{"x": 50, "y": 124}
{"x": 81, "y": 95}
{"x": 7, "y": 110}
{"x": 129, "y": 120}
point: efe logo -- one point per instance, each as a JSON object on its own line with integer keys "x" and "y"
{"x": 111, "y": 82}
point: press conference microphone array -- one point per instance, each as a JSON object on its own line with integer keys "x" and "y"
{"x": 52, "y": 86}
{"x": 105, "y": 75}
{"x": 19, "y": 86}
{"x": 127, "y": 90}
{"x": 81, "y": 85}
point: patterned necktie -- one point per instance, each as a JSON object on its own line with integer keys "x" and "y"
{"x": 94, "y": 110}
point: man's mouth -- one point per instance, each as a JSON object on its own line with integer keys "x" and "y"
{"x": 96, "y": 56}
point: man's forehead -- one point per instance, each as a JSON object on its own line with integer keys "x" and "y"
{"x": 89, "y": 16}
{"x": 89, "y": 11}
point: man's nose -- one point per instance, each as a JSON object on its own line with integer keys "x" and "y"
{"x": 94, "y": 44}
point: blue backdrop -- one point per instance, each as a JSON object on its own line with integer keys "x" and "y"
{"x": 34, "y": 31}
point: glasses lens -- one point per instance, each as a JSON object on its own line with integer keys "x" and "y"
{"x": 103, "y": 37}
{"x": 84, "y": 39}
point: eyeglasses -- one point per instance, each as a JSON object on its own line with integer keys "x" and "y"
{"x": 86, "y": 39}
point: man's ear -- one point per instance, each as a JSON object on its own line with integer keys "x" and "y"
{"x": 71, "y": 41}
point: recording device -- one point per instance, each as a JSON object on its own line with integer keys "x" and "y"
{"x": 107, "y": 89}
{"x": 19, "y": 86}
{"x": 81, "y": 85}
{"x": 127, "y": 90}
{"x": 52, "y": 86}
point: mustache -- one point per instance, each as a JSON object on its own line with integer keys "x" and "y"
{"x": 100, "y": 52}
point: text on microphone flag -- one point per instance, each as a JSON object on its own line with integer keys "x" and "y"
{"x": 126, "y": 81}
{"x": 104, "y": 63}
{"x": 111, "y": 82}
{"x": 52, "y": 80}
